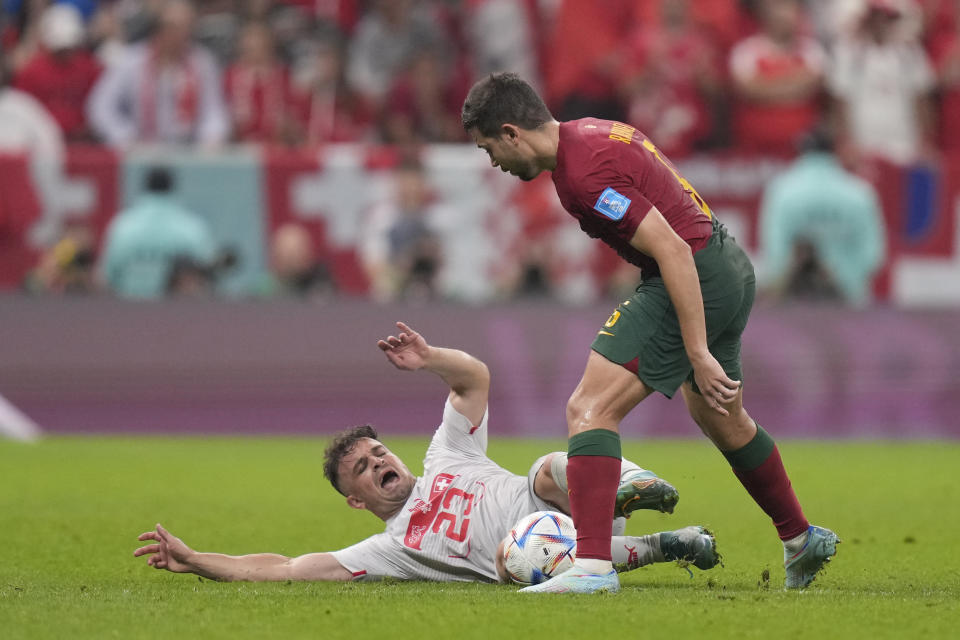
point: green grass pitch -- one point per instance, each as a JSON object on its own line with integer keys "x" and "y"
{"x": 71, "y": 508}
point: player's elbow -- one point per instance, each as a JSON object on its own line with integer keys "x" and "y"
{"x": 475, "y": 377}
{"x": 483, "y": 375}
{"x": 674, "y": 251}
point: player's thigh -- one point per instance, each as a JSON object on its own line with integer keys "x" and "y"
{"x": 606, "y": 393}
{"x": 728, "y": 295}
{"x": 643, "y": 336}
{"x": 728, "y": 432}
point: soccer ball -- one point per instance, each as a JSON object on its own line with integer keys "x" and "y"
{"x": 540, "y": 546}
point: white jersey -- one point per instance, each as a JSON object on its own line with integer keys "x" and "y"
{"x": 458, "y": 512}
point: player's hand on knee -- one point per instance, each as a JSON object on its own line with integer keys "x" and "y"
{"x": 715, "y": 386}
{"x": 407, "y": 350}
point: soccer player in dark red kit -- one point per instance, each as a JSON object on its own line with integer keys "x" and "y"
{"x": 681, "y": 329}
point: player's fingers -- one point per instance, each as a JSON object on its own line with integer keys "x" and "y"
{"x": 150, "y": 548}
{"x": 148, "y": 535}
{"x": 712, "y": 399}
{"x": 383, "y": 345}
{"x": 725, "y": 394}
{"x": 393, "y": 341}
{"x": 403, "y": 327}
{"x": 719, "y": 408}
{"x": 160, "y": 564}
{"x": 164, "y": 534}
{"x": 730, "y": 385}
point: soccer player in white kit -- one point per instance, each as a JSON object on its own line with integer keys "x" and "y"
{"x": 449, "y": 524}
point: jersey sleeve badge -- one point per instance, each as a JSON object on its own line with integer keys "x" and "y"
{"x": 612, "y": 204}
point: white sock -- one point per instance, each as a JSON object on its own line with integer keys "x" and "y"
{"x": 619, "y": 526}
{"x": 627, "y": 468}
{"x": 794, "y": 545}
{"x": 593, "y": 565}
{"x": 631, "y": 552}
{"x": 558, "y": 469}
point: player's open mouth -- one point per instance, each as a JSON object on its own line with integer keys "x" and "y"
{"x": 389, "y": 479}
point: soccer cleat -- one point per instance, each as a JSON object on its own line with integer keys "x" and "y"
{"x": 644, "y": 490}
{"x": 690, "y": 545}
{"x": 575, "y": 580}
{"x": 803, "y": 566}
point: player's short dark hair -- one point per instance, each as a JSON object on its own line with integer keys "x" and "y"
{"x": 502, "y": 98}
{"x": 342, "y": 444}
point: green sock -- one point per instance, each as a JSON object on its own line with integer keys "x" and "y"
{"x": 595, "y": 442}
{"x": 753, "y": 454}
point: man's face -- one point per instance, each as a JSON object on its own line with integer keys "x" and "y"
{"x": 175, "y": 32}
{"x": 374, "y": 478}
{"x": 510, "y": 153}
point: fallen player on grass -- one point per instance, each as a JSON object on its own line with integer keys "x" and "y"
{"x": 450, "y": 524}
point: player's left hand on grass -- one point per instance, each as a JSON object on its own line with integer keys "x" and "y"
{"x": 407, "y": 351}
{"x": 715, "y": 387}
{"x": 168, "y": 552}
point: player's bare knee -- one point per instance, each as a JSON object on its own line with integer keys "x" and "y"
{"x": 742, "y": 418}
{"x": 543, "y": 482}
{"x": 577, "y": 407}
{"x": 545, "y": 472}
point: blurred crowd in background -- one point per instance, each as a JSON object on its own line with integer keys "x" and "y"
{"x": 837, "y": 84}
{"x": 693, "y": 74}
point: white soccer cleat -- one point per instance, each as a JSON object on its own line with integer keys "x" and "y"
{"x": 803, "y": 566}
{"x": 575, "y": 580}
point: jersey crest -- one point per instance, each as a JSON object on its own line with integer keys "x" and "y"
{"x": 612, "y": 204}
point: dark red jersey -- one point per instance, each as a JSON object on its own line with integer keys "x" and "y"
{"x": 609, "y": 175}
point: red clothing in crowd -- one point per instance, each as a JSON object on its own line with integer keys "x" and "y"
{"x": 944, "y": 49}
{"x": 585, "y": 34}
{"x": 61, "y": 83}
{"x": 669, "y": 103}
{"x": 19, "y": 209}
{"x": 774, "y": 126}
{"x": 332, "y": 116}
{"x": 428, "y": 104}
{"x": 344, "y": 13}
{"x": 259, "y": 102}
{"x": 725, "y": 22}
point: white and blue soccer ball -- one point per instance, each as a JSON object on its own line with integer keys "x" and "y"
{"x": 540, "y": 546}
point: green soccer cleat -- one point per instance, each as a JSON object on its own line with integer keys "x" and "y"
{"x": 644, "y": 490}
{"x": 803, "y": 566}
{"x": 575, "y": 580}
{"x": 690, "y": 545}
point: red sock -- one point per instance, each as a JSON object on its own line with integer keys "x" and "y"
{"x": 592, "y": 483}
{"x": 770, "y": 488}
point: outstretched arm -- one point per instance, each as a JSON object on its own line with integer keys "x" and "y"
{"x": 171, "y": 553}
{"x": 467, "y": 377}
